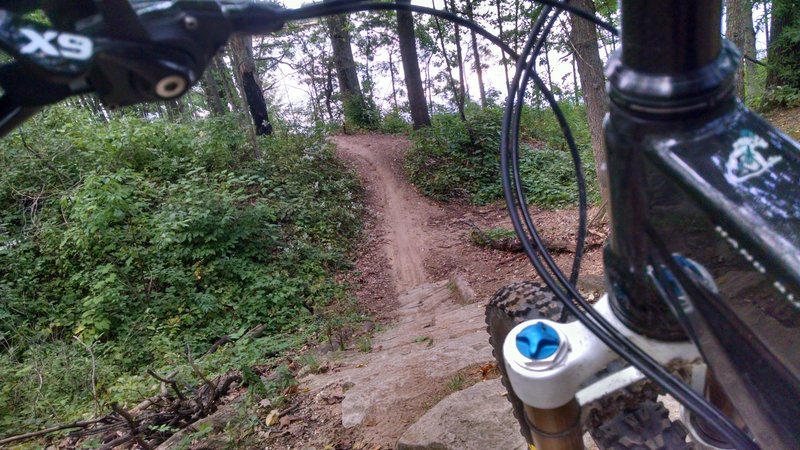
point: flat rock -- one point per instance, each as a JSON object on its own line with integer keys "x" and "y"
{"x": 389, "y": 388}
{"x": 478, "y": 418}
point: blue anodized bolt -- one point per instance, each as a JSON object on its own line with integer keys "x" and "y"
{"x": 538, "y": 341}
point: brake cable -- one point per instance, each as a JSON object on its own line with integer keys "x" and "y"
{"x": 515, "y": 199}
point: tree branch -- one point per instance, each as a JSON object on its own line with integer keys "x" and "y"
{"x": 35, "y": 434}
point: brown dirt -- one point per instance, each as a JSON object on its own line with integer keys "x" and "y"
{"x": 410, "y": 240}
{"x": 427, "y": 241}
{"x": 787, "y": 119}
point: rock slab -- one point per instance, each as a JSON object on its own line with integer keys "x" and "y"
{"x": 476, "y": 418}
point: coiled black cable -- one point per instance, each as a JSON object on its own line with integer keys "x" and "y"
{"x": 565, "y": 291}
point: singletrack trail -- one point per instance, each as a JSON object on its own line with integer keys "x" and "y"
{"x": 405, "y": 213}
{"x": 426, "y": 379}
{"x": 424, "y": 383}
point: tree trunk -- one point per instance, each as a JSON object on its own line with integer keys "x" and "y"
{"x": 500, "y": 29}
{"x": 420, "y": 116}
{"x": 462, "y": 85}
{"x": 735, "y": 31}
{"x": 242, "y": 50}
{"x": 477, "y": 54}
{"x": 546, "y": 50}
{"x": 211, "y": 90}
{"x": 355, "y": 107}
{"x": 583, "y": 35}
{"x": 231, "y": 99}
{"x": 752, "y": 88}
{"x": 449, "y": 68}
{"x": 394, "y": 81}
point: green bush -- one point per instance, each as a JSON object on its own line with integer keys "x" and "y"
{"x": 144, "y": 237}
{"x": 781, "y": 96}
{"x": 360, "y": 113}
{"x": 453, "y": 158}
{"x": 394, "y": 123}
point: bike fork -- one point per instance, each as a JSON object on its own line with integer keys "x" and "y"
{"x": 557, "y": 368}
{"x": 556, "y": 428}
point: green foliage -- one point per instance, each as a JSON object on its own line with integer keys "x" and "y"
{"x": 394, "y": 123}
{"x": 453, "y": 158}
{"x": 364, "y": 344}
{"x": 457, "y": 382}
{"x": 145, "y": 237}
{"x": 311, "y": 362}
{"x": 781, "y": 96}
{"x": 360, "y": 113}
{"x": 492, "y": 237}
{"x": 785, "y": 46}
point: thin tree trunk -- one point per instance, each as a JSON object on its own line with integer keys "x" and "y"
{"x": 462, "y": 89}
{"x": 583, "y": 35}
{"x": 420, "y": 117}
{"x": 243, "y": 114}
{"x": 428, "y": 82}
{"x": 547, "y": 65}
{"x": 752, "y": 87}
{"x": 500, "y": 29}
{"x": 329, "y": 88}
{"x": 231, "y": 99}
{"x": 210, "y": 88}
{"x": 576, "y": 97}
{"x": 449, "y": 68}
{"x": 355, "y": 106}
{"x": 394, "y": 84}
{"x": 477, "y": 54}
{"x": 735, "y": 32}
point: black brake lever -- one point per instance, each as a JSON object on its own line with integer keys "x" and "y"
{"x": 121, "y": 21}
{"x": 125, "y": 54}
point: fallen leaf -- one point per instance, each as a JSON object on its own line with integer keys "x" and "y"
{"x": 286, "y": 420}
{"x": 272, "y": 418}
{"x": 488, "y": 369}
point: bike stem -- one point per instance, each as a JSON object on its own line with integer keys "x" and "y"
{"x": 670, "y": 38}
{"x": 673, "y": 73}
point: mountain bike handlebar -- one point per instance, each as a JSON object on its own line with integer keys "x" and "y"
{"x": 125, "y": 53}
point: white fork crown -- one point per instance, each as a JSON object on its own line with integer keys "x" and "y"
{"x": 573, "y": 374}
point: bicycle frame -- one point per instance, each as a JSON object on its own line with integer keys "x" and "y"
{"x": 705, "y": 228}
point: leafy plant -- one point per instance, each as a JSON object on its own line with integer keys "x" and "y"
{"x": 457, "y": 382}
{"x": 394, "y": 123}
{"x": 143, "y": 237}
{"x": 457, "y": 159}
{"x": 364, "y": 344}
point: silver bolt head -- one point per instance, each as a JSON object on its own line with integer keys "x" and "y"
{"x": 190, "y": 22}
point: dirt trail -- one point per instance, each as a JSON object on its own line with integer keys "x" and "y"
{"x": 406, "y": 214}
{"x": 432, "y": 344}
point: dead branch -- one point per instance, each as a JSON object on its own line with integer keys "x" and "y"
{"x": 35, "y": 434}
{"x": 211, "y": 387}
{"x": 131, "y": 424}
{"x": 256, "y": 331}
{"x": 216, "y": 345}
{"x": 253, "y": 333}
{"x": 116, "y": 442}
{"x": 94, "y": 374}
{"x": 168, "y": 380}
